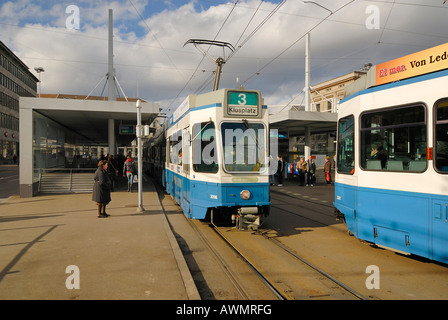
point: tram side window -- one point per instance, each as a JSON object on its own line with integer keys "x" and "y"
{"x": 175, "y": 145}
{"x": 346, "y": 141}
{"x": 441, "y": 133}
{"x": 394, "y": 139}
{"x": 204, "y": 147}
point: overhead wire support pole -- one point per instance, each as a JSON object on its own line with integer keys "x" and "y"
{"x": 139, "y": 133}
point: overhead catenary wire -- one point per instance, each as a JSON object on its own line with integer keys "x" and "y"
{"x": 202, "y": 59}
{"x": 155, "y": 37}
{"x": 295, "y": 42}
{"x": 83, "y": 35}
{"x": 387, "y": 20}
{"x": 387, "y": 28}
{"x": 269, "y": 16}
{"x": 249, "y": 22}
{"x": 256, "y": 29}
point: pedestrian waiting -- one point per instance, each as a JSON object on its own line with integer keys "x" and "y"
{"x": 129, "y": 171}
{"x": 311, "y": 171}
{"x": 101, "y": 189}
{"x": 301, "y": 167}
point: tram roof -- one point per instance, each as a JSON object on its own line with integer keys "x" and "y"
{"x": 412, "y": 66}
{"x": 295, "y": 122}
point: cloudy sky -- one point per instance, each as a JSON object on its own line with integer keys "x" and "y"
{"x": 269, "y": 36}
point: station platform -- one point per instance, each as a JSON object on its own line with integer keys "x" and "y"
{"x": 320, "y": 192}
{"x": 49, "y": 244}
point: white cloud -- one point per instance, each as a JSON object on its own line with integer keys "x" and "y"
{"x": 159, "y": 64}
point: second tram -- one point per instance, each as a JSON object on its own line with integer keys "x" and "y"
{"x": 391, "y": 181}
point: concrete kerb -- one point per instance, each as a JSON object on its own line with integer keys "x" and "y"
{"x": 190, "y": 286}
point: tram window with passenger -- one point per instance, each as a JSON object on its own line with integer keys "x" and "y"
{"x": 346, "y": 140}
{"x": 204, "y": 148}
{"x": 441, "y": 137}
{"x": 394, "y": 139}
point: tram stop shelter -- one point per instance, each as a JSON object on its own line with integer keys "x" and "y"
{"x": 54, "y": 133}
{"x": 295, "y": 123}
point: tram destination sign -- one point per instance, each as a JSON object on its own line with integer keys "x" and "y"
{"x": 243, "y": 104}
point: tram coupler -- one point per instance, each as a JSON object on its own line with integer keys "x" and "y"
{"x": 338, "y": 215}
{"x": 247, "y": 217}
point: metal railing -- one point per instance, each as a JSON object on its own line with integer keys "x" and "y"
{"x": 66, "y": 180}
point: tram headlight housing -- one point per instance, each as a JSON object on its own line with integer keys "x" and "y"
{"x": 245, "y": 194}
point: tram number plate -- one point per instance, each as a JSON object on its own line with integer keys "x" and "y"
{"x": 242, "y": 104}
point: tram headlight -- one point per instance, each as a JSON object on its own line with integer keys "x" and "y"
{"x": 245, "y": 194}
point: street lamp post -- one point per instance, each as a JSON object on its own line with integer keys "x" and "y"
{"x": 139, "y": 133}
{"x": 39, "y": 70}
{"x": 307, "y": 149}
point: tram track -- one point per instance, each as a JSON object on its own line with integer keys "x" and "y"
{"x": 268, "y": 284}
{"x": 301, "y": 258}
{"x": 273, "y": 284}
{"x": 222, "y": 263}
{"x": 281, "y": 288}
{"x": 294, "y": 254}
{"x": 224, "y": 266}
{"x": 314, "y": 267}
{"x": 323, "y": 214}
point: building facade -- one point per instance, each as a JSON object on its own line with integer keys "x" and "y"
{"x": 15, "y": 81}
{"x": 325, "y": 96}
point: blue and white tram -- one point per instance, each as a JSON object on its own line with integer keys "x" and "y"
{"x": 216, "y": 156}
{"x": 154, "y": 160}
{"x": 391, "y": 182}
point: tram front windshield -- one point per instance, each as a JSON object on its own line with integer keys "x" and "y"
{"x": 244, "y": 145}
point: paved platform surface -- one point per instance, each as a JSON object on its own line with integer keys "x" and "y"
{"x": 320, "y": 192}
{"x": 46, "y": 240}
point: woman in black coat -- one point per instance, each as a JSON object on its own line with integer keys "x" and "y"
{"x": 101, "y": 189}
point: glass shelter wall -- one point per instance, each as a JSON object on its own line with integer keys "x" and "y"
{"x": 55, "y": 146}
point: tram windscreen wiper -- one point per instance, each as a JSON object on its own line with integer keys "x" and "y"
{"x": 205, "y": 126}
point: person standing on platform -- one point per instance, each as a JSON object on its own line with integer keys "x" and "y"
{"x": 327, "y": 169}
{"x": 302, "y": 169}
{"x": 280, "y": 171}
{"x": 101, "y": 189}
{"x": 310, "y": 172}
{"x": 129, "y": 171}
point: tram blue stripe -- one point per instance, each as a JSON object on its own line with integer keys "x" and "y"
{"x": 402, "y": 220}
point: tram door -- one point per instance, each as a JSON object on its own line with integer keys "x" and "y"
{"x": 186, "y": 148}
{"x": 440, "y": 207}
{"x": 440, "y": 230}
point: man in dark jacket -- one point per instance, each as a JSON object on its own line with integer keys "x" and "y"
{"x": 280, "y": 171}
{"x": 311, "y": 171}
{"x": 101, "y": 189}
